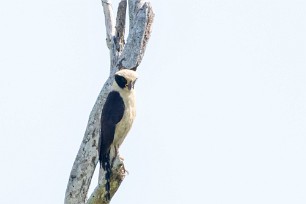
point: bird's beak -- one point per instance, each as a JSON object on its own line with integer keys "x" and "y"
{"x": 130, "y": 85}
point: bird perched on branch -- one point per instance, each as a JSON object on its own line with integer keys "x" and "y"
{"x": 117, "y": 118}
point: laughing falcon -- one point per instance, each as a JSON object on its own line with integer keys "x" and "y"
{"x": 117, "y": 118}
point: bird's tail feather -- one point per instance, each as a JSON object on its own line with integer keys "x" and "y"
{"x": 105, "y": 163}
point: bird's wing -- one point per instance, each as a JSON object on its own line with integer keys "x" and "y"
{"x": 112, "y": 113}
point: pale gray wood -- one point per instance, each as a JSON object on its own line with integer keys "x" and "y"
{"x": 109, "y": 21}
{"x": 120, "y": 25}
{"x": 122, "y": 55}
{"x": 138, "y": 37}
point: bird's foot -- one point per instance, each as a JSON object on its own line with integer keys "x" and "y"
{"x": 124, "y": 171}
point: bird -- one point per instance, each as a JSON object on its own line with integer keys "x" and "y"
{"x": 118, "y": 114}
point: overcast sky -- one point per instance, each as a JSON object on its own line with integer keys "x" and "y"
{"x": 221, "y": 101}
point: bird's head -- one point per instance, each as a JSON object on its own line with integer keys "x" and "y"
{"x": 125, "y": 79}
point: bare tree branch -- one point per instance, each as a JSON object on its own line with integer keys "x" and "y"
{"x": 127, "y": 56}
{"x": 138, "y": 37}
{"x": 109, "y": 20}
{"x": 117, "y": 176}
{"x": 120, "y": 25}
{"x": 134, "y": 6}
{"x": 87, "y": 157}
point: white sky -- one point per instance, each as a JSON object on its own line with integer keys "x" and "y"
{"x": 221, "y": 98}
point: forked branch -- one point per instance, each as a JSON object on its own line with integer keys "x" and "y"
{"x": 122, "y": 55}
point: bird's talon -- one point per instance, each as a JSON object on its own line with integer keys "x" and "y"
{"x": 124, "y": 170}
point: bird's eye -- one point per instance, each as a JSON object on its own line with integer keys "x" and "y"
{"x": 121, "y": 81}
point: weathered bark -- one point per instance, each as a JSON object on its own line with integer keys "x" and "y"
{"x": 122, "y": 55}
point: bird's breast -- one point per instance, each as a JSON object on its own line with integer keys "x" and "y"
{"x": 125, "y": 124}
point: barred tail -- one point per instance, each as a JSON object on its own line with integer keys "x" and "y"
{"x": 105, "y": 163}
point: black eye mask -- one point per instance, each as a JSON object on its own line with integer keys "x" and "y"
{"x": 121, "y": 81}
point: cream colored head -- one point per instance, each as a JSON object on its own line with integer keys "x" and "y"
{"x": 125, "y": 80}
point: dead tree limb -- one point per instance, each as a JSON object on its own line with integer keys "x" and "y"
{"x": 122, "y": 55}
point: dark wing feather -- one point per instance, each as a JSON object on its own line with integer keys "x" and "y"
{"x": 112, "y": 113}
